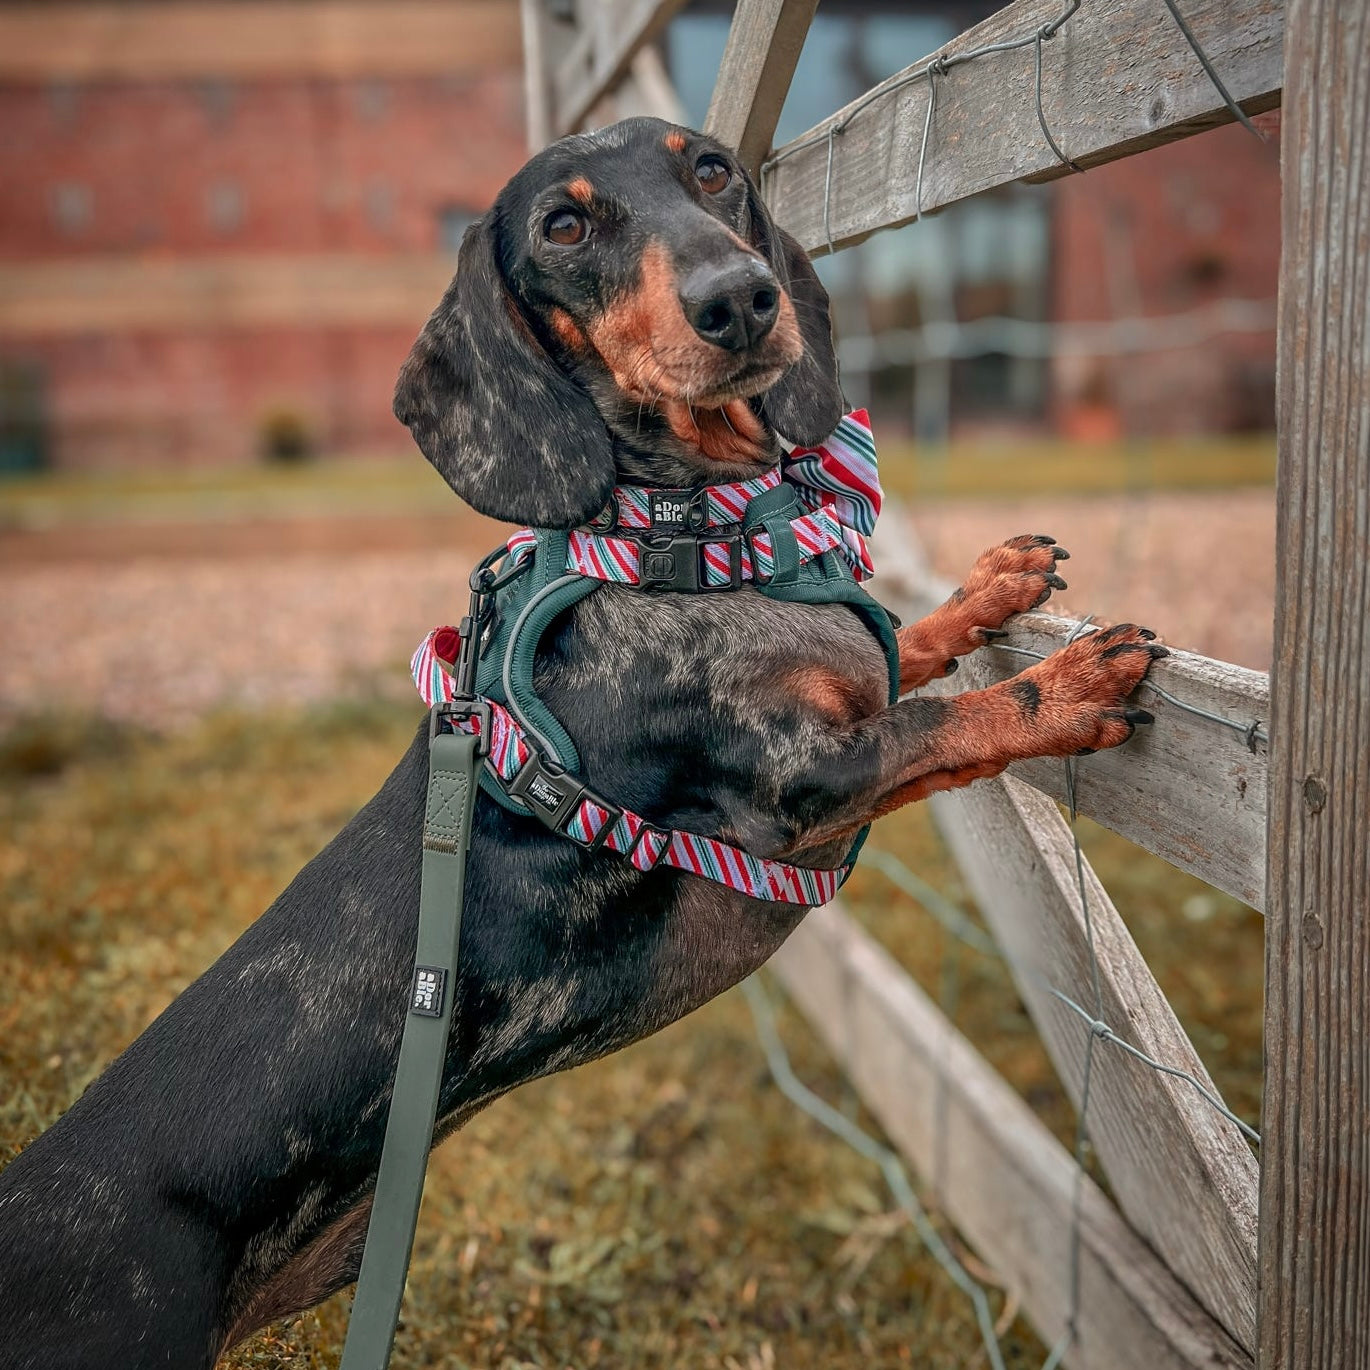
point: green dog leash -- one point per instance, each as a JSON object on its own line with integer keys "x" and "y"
{"x": 454, "y": 760}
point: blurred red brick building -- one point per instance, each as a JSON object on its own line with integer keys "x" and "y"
{"x": 223, "y": 222}
{"x": 1188, "y": 234}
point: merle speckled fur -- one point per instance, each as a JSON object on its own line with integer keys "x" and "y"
{"x": 217, "y": 1175}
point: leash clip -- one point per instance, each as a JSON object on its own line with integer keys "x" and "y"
{"x": 454, "y": 712}
{"x": 465, "y": 705}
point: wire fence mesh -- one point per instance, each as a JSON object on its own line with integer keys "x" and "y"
{"x": 965, "y": 931}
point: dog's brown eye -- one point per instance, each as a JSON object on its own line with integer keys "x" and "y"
{"x": 713, "y": 174}
{"x": 565, "y": 228}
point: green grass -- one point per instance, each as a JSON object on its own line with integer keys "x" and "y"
{"x": 1053, "y": 466}
{"x": 662, "y": 1208}
{"x": 407, "y": 484}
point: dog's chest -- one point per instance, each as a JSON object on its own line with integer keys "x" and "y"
{"x": 696, "y": 705}
{"x": 733, "y": 652}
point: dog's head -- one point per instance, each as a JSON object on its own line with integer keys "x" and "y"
{"x": 628, "y": 297}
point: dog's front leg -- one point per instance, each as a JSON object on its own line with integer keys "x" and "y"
{"x": 1012, "y": 578}
{"x": 1073, "y": 702}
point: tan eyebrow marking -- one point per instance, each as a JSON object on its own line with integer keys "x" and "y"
{"x": 567, "y": 329}
{"x": 581, "y": 191}
{"x": 675, "y": 141}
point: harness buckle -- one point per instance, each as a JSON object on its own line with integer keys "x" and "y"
{"x": 674, "y": 561}
{"x": 554, "y": 795}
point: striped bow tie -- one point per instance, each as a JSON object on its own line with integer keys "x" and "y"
{"x": 840, "y": 474}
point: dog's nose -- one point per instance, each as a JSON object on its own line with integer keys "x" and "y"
{"x": 732, "y": 306}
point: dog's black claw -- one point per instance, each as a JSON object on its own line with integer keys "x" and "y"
{"x": 1157, "y": 651}
{"x": 1085, "y": 751}
{"x": 1146, "y": 633}
{"x": 1056, "y": 582}
{"x": 1136, "y": 716}
{"x": 1043, "y": 539}
{"x": 952, "y": 667}
{"x": 1060, "y": 554}
{"x": 991, "y": 634}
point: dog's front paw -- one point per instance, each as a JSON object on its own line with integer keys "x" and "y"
{"x": 1009, "y": 579}
{"x": 1078, "y": 696}
{"x": 1016, "y": 576}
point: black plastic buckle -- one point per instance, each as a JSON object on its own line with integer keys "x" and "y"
{"x": 454, "y": 711}
{"x": 675, "y": 562}
{"x": 553, "y": 795}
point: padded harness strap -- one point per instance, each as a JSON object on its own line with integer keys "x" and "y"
{"x": 571, "y": 809}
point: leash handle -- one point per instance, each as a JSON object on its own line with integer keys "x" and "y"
{"x": 453, "y": 761}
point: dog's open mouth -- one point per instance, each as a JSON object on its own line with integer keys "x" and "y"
{"x": 728, "y": 433}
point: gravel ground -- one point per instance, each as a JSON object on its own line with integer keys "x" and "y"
{"x": 1199, "y": 568}
{"x": 159, "y": 639}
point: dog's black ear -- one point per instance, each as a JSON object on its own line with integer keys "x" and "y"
{"x": 805, "y": 404}
{"x": 507, "y": 429}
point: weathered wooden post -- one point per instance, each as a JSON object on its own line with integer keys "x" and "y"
{"x": 1315, "y": 1171}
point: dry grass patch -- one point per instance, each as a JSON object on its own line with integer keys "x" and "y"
{"x": 663, "y": 1208}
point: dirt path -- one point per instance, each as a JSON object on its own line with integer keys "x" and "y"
{"x": 159, "y": 625}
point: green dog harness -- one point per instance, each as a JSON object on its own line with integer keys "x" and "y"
{"x": 796, "y": 534}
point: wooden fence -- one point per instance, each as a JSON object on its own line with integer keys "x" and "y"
{"x": 1201, "y": 1258}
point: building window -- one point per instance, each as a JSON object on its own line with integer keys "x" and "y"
{"x": 380, "y": 205}
{"x": 217, "y": 97}
{"x": 373, "y": 101}
{"x": 73, "y": 206}
{"x": 453, "y": 221}
{"x": 225, "y": 206}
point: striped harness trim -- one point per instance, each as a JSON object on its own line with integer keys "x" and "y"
{"x": 592, "y": 821}
{"x": 836, "y": 484}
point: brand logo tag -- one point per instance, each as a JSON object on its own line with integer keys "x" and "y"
{"x": 670, "y": 510}
{"x": 545, "y": 793}
{"x": 430, "y": 984}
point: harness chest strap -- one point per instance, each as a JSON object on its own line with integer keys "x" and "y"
{"x": 573, "y": 810}
{"x": 661, "y": 539}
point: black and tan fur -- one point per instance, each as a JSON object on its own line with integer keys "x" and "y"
{"x": 217, "y": 1175}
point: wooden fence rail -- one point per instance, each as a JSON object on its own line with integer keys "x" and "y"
{"x": 596, "y": 58}
{"x": 1190, "y": 790}
{"x": 993, "y": 1167}
{"x": 1182, "y": 1173}
{"x": 754, "y": 77}
{"x": 1118, "y": 77}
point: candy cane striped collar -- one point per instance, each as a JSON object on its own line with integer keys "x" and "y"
{"x": 642, "y": 508}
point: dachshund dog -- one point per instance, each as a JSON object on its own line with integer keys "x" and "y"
{"x": 626, "y": 313}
